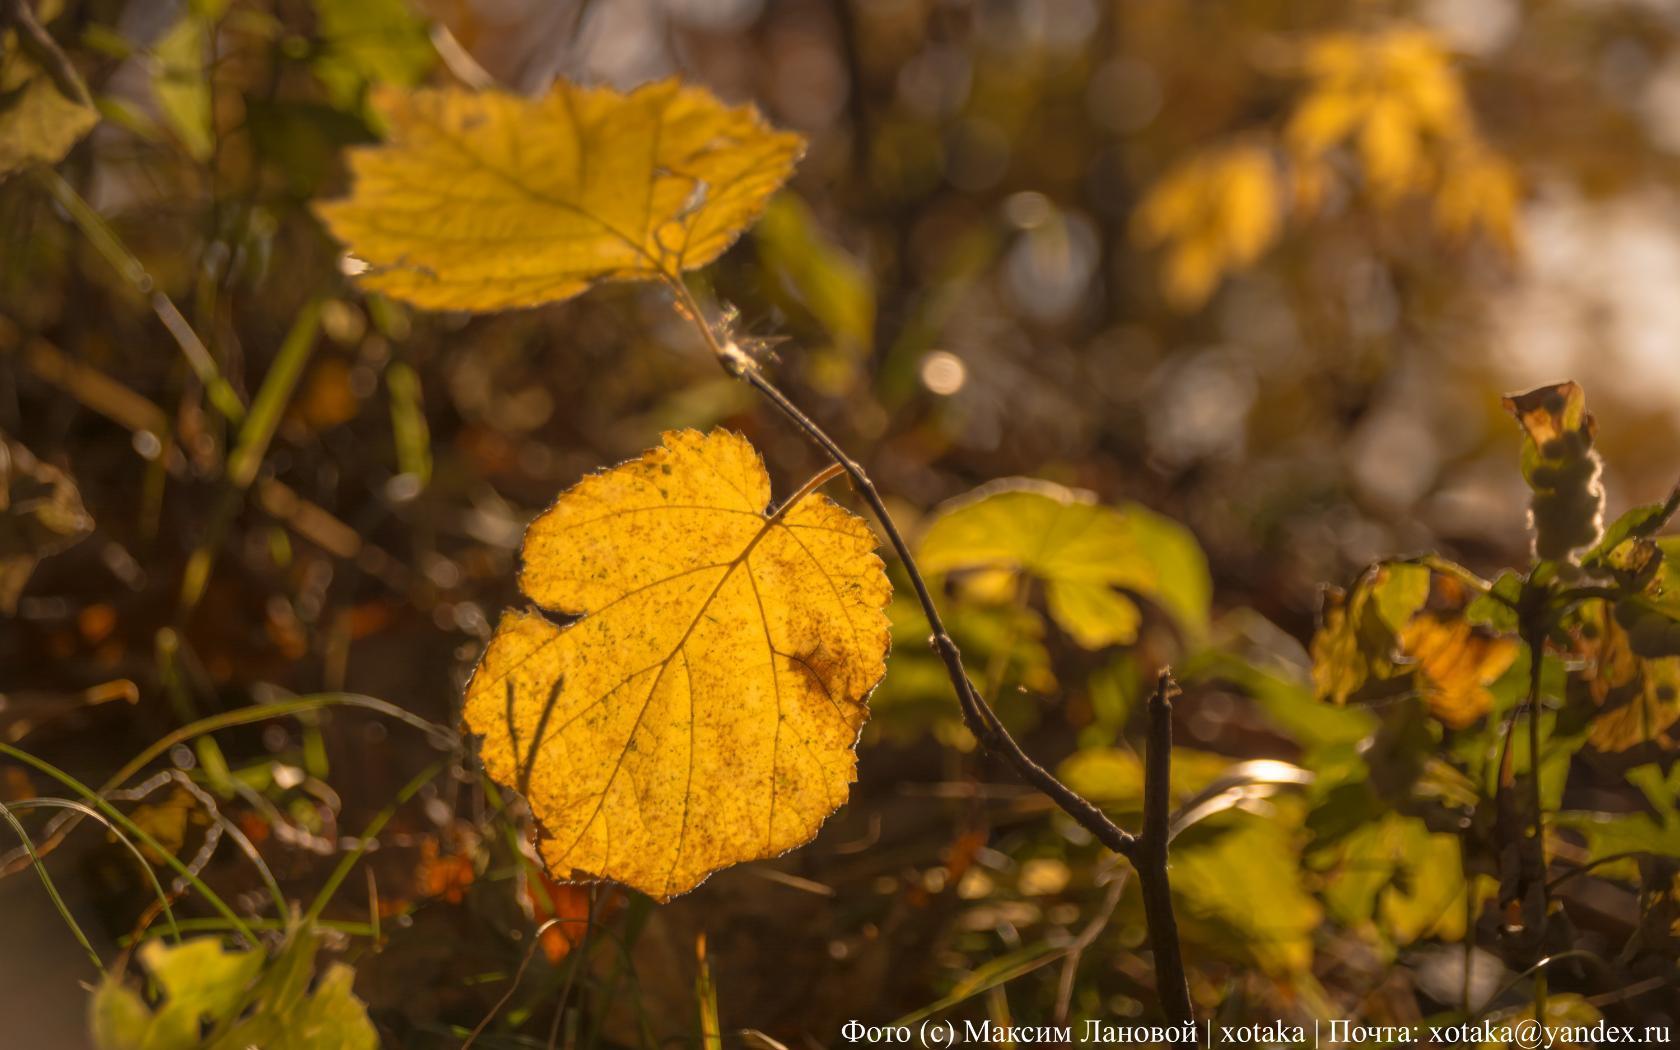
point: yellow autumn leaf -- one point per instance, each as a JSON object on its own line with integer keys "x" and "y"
{"x": 1212, "y": 215}
{"x": 1396, "y": 100}
{"x": 1647, "y": 714}
{"x": 703, "y": 709}
{"x": 1456, "y": 664}
{"x": 1479, "y": 191}
{"x": 486, "y": 201}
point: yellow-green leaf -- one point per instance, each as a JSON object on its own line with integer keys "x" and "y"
{"x": 1239, "y": 893}
{"x": 1085, "y": 553}
{"x": 704, "y": 709}
{"x": 199, "y": 981}
{"x": 38, "y": 121}
{"x": 370, "y": 42}
{"x": 486, "y": 200}
{"x": 181, "y": 83}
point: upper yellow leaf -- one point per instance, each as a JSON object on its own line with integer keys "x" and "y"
{"x": 704, "y": 709}
{"x": 486, "y": 200}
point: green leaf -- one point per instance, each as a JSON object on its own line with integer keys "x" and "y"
{"x": 1656, "y": 833}
{"x": 246, "y": 999}
{"x": 198, "y": 980}
{"x": 1095, "y": 614}
{"x": 1113, "y": 777}
{"x": 181, "y": 83}
{"x": 118, "y": 1018}
{"x": 1238, "y": 893}
{"x": 1634, "y": 523}
{"x": 1397, "y": 882}
{"x": 1085, "y": 553}
{"x": 370, "y": 42}
{"x": 39, "y": 122}
{"x": 1286, "y": 701}
{"x": 1354, "y": 648}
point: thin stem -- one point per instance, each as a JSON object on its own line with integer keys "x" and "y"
{"x": 1151, "y": 861}
{"x": 96, "y": 230}
{"x": 513, "y": 986}
{"x": 11, "y": 864}
{"x": 1536, "y": 638}
{"x": 981, "y": 720}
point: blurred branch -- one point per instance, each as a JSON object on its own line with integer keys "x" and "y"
{"x": 34, "y": 41}
{"x": 95, "y": 229}
{"x": 1151, "y": 861}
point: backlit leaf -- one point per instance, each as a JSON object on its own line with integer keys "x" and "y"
{"x": 486, "y": 200}
{"x": 1354, "y": 648}
{"x": 1456, "y": 663}
{"x": 199, "y": 980}
{"x": 1566, "y": 510}
{"x": 218, "y": 999}
{"x": 1085, "y": 554}
{"x": 181, "y": 85}
{"x": 703, "y": 710}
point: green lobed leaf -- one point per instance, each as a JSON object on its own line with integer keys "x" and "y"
{"x": 1086, "y": 554}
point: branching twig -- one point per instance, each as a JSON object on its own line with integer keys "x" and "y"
{"x": 1147, "y": 853}
{"x": 981, "y": 720}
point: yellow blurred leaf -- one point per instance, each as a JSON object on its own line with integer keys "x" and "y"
{"x": 38, "y": 121}
{"x": 485, "y": 200}
{"x": 703, "y": 710}
{"x": 1456, "y": 663}
{"x": 1479, "y": 191}
{"x": 181, "y": 84}
{"x": 1395, "y": 100}
{"x": 1212, "y": 215}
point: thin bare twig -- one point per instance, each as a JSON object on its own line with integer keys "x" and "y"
{"x": 1147, "y": 853}
{"x": 981, "y": 720}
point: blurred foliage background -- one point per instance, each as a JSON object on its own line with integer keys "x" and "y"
{"x": 1247, "y": 277}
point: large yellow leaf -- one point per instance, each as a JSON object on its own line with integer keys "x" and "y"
{"x": 485, "y": 201}
{"x": 704, "y": 709}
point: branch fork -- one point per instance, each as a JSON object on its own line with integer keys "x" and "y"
{"x": 1147, "y": 851}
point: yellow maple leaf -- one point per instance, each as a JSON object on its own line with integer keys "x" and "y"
{"x": 486, "y": 201}
{"x": 1456, "y": 664}
{"x": 704, "y": 709}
